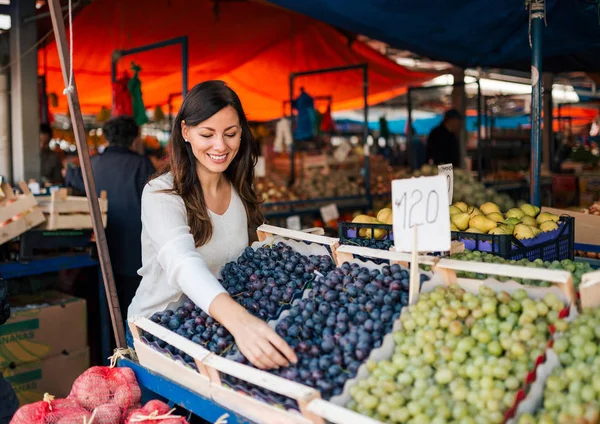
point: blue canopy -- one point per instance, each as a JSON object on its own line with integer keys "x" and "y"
{"x": 488, "y": 33}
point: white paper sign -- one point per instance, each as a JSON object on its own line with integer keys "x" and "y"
{"x": 331, "y": 213}
{"x": 448, "y": 172}
{"x": 260, "y": 168}
{"x": 293, "y": 223}
{"x": 34, "y": 187}
{"x": 341, "y": 153}
{"x": 421, "y": 202}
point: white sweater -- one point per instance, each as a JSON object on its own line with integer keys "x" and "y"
{"x": 171, "y": 264}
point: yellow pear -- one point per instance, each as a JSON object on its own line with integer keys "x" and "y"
{"x": 529, "y": 220}
{"x": 523, "y": 232}
{"x": 482, "y": 223}
{"x": 548, "y": 226}
{"x": 383, "y": 214}
{"x": 495, "y": 216}
{"x": 509, "y": 228}
{"x": 390, "y": 219}
{"x": 499, "y": 230}
{"x": 474, "y": 230}
{"x": 515, "y": 213}
{"x": 512, "y": 221}
{"x": 528, "y": 209}
{"x": 473, "y": 211}
{"x": 363, "y": 219}
{"x": 546, "y": 216}
{"x": 460, "y": 220}
{"x": 536, "y": 209}
{"x": 462, "y": 206}
{"x": 454, "y": 210}
{"x": 536, "y": 231}
{"x": 453, "y": 227}
{"x": 489, "y": 207}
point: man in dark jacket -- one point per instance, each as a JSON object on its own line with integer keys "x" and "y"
{"x": 8, "y": 400}
{"x": 123, "y": 174}
{"x": 443, "y": 145}
{"x": 50, "y": 161}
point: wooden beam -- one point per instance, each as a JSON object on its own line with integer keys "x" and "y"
{"x": 88, "y": 177}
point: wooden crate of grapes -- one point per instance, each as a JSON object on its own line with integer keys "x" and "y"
{"x": 70, "y": 212}
{"x": 366, "y": 400}
{"x": 18, "y": 212}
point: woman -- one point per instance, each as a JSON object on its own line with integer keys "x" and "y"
{"x": 195, "y": 218}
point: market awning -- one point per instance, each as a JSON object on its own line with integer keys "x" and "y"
{"x": 470, "y": 33}
{"x": 254, "y": 46}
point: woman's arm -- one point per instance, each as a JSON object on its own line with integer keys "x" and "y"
{"x": 164, "y": 218}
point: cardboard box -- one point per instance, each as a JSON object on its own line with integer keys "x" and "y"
{"x": 53, "y": 375}
{"x": 52, "y": 323}
{"x": 587, "y": 227}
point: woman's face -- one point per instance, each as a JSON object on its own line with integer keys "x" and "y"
{"x": 216, "y": 141}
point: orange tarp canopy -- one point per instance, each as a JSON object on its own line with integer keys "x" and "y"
{"x": 252, "y": 45}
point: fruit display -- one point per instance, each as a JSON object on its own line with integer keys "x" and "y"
{"x": 269, "y": 191}
{"x": 333, "y": 330}
{"x": 467, "y": 189}
{"x": 460, "y": 357}
{"x": 572, "y": 391}
{"x": 525, "y": 222}
{"x": 592, "y": 210}
{"x": 314, "y": 184}
{"x": 577, "y": 269}
{"x": 264, "y": 281}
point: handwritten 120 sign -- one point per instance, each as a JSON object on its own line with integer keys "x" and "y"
{"x": 421, "y": 203}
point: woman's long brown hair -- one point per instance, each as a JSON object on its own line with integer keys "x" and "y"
{"x": 202, "y": 102}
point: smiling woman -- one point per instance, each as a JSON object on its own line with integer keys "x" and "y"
{"x": 196, "y": 214}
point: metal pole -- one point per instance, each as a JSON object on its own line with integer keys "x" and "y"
{"x": 88, "y": 177}
{"x": 479, "y": 141}
{"x": 44, "y": 99}
{"x": 537, "y": 26}
{"x": 367, "y": 163}
{"x": 184, "y": 66}
{"x": 409, "y": 132}
{"x": 292, "y": 148}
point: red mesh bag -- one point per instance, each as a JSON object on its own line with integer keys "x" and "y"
{"x": 154, "y": 412}
{"x": 50, "y": 411}
{"x": 108, "y": 392}
{"x": 122, "y": 102}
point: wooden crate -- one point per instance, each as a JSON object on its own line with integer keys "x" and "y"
{"x": 18, "y": 213}
{"x": 70, "y": 212}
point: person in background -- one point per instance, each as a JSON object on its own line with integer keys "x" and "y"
{"x": 443, "y": 143}
{"x": 417, "y": 151}
{"x": 51, "y": 164}
{"x": 123, "y": 174}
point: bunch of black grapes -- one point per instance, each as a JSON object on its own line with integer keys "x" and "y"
{"x": 263, "y": 281}
{"x": 333, "y": 330}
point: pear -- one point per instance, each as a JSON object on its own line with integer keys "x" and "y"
{"x": 383, "y": 214}
{"x": 474, "y": 230}
{"x": 390, "y": 219}
{"x": 513, "y": 221}
{"x": 509, "y": 228}
{"x": 363, "y": 219}
{"x": 536, "y": 230}
{"x": 536, "y": 209}
{"x": 499, "y": 230}
{"x": 489, "y": 207}
{"x": 528, "y": 220}
{"x": 454, "y": 210}
{"x": 462, "y": 206}
{"x": 546, "y": 216}
{"x": 523, "y": 232}
{"x": 473, "y": 211}
{"x": 460, "y": 220}
{"x": 515, "y": 213}
{"x": 495, "y": 216}
{"x": 548, "y": 226}
{"x": 528, "y": 209}
{"x": 482, "y": 223}
{"x": 453, "y": 227}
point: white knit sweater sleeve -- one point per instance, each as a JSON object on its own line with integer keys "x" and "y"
{"x": 164, "y": 216}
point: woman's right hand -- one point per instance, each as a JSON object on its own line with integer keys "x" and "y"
{"x": 264, "y": 348}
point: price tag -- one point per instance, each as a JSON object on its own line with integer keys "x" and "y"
{"x": 341, "y": 153}
{"x": 34, "y": 187}
{"x": 421, "y": 202}
{"x": 331, "y": 213}
{"x": 448, "y": 172}
{"x": 293, "y": 222}
{"x": 260, "y": 168}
